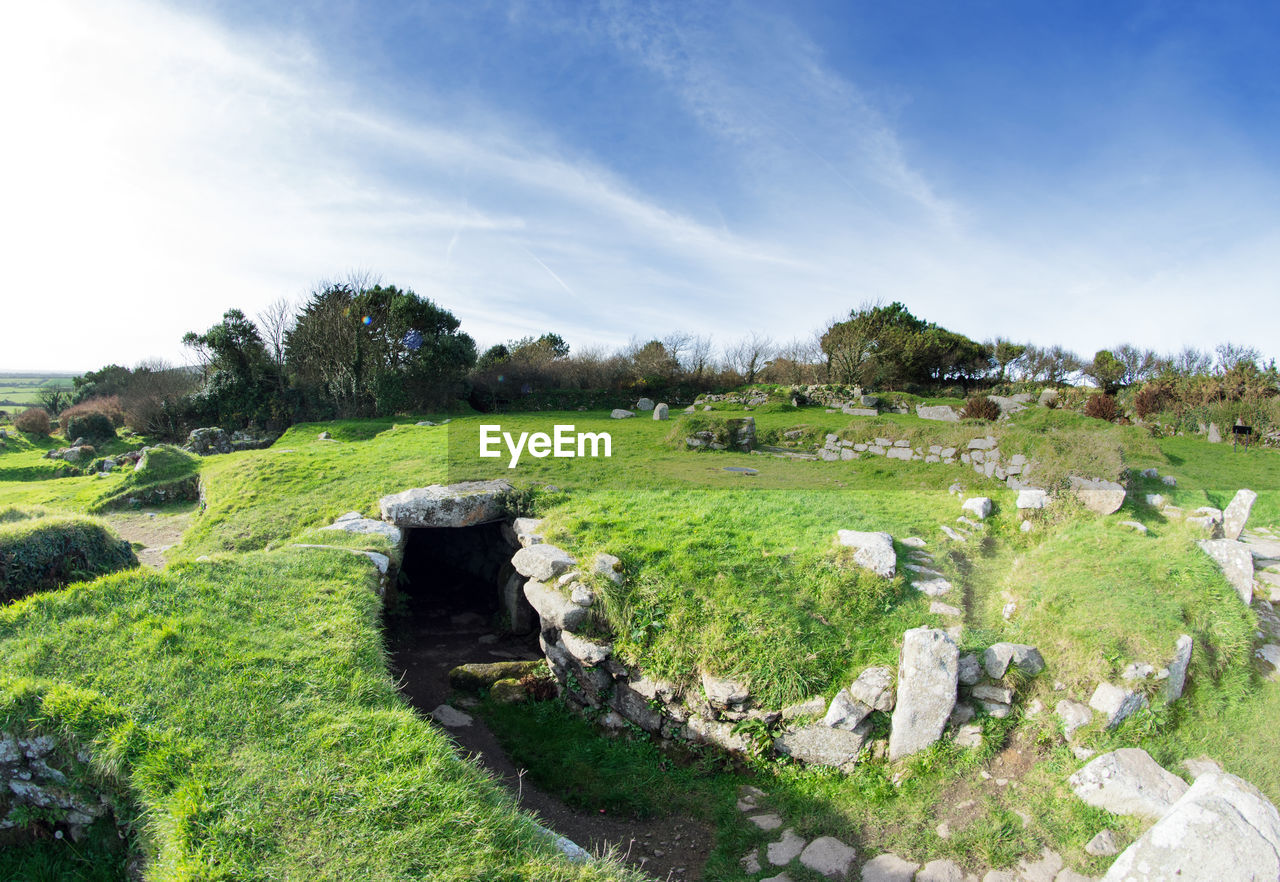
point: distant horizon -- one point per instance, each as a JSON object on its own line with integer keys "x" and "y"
{"x": 1074, "y": 175}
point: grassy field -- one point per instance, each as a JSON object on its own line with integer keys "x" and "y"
{"x": 20, "y": 391}
{"x": 726, "y": 573}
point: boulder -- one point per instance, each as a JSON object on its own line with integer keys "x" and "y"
{"x": 970, "y": 670}
{"x": 453, "y": 505}
{"x": 1031, "y": 498}
{"x": 927, "y": 677}
{"x": 208, "y": 441}
{"x": 555, "y": 610}
{"x": 526, "y": 531}
{"x": 829, "y": 857}
{"x": 660, "y": 412}
{"x": 508, "y": 691}
{"x": 586, "y": 651}
{"x": 937, "y": 412}
{"x": 1237, "y": 512}
{"x": 1236, "y": 562}
{"x": 619, "y": 414}
{"x": 1100, "y": 497}
{"x": 1102, "y": 845}
{"x": 874, "y": 688}
{"x": 1128, "y": 782}
{"x": 1116, "y": 703}
{"x": 634, "y": 706}
{"x": 999, "y": 656}
{"x": 1222, "y": 828}
{"x": 645, "y": 404}
{"x": 941, "y": 871}
{"x": 543, "y": 562}
{"x": 1214, "y": 434}
{"x": 874, "y": 551}
{"x": 821, "y": 745}
{"x": 979, "y": 506}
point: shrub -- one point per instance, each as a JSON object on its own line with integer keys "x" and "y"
{"x": 980, "y": 407}
{"x": 1102, "y": 407}
{"x": 34, "y": 421}
{"x": 109, "y": 407}
{"x": 47, "y": 552}
{"x": 1152, "y": 398}
{"x": 90, "y": 426}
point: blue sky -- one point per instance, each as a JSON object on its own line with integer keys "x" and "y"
{"x": 1075, "y": 173}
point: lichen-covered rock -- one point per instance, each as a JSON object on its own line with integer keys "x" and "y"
{"x": 821, "y": 745}
{"x": 1222, "y": 829}
{"x": 208, "y": 441}
{"x": 927, "y": 678}
{"x": 1128, "y": 782}
{"x": 474, "y": 677}
{"x": 1236, "y": 562}
{"x": 554, "y": 608}
{"x": 354, "y": 522}
{"x": 543, "y": 562}
{"x": 999, "y": 656}
{"x": 874, "y": 551}
{"x": 724, "y": 693}
{"x": 1116, "y": 704}
{"x": 1237, "y": 512}
{"x": 454, "y": 505}
{"x": 1100, "y": 497}
{"x": 1177, "y": 680}
{"x": 979, "y": 506}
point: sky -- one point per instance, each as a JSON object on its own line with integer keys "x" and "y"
{"x": 1083, "y": 173}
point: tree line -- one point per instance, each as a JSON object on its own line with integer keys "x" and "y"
{"x": 357, "y": 348}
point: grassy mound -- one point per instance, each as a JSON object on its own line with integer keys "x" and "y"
{"x": 245, "y": 706}
{"x": 39, "y": 552}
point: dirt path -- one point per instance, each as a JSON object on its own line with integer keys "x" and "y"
{"x": 156, "y": 531}
{"x": 673, "y": 848}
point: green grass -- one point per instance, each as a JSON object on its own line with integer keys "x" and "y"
{"x": 245, "y": 708}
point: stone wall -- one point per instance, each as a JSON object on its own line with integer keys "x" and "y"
{"x": 47, "y": 782}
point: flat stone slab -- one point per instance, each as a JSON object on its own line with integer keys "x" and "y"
{"x": 1237, "y": 512}
{"x": 766, "y": 822}
{"x": 888, "y": 868}
{"x": 453, "y": 505}
{"x": 1128, "y": 782}
{"x": 381, "y": 561}
{"x": 828, "y": 856}
{"x": 1222, "y": 829}
{"x": 354, "y": 522}
{"x": 450, "y": 717}
{"x": 940, "y": 871}
{"x": 821, "y": 745}
{"x": 1100, "y": 497}
{"x": 786, "y": 849}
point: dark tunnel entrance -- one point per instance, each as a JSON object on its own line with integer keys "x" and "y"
{"x": 458, "y": 600}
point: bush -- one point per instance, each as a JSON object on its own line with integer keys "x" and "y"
{"x": 109, "y": 407}
{"x": 980, "y": 407}
{"x": 40, "y": 553}
{"x": 34, "y": 421}
{"x": 93, "y": 427}
{"x": 1102, "y": 407}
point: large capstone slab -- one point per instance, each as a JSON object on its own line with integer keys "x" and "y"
{"x": 453, "y": 505}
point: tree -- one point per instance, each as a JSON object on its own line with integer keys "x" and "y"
{"x": 887, "y": 347}
{"x": 241, "y": 382}
{"x": 1107, "y": 370}
{"x": 378, "y": 350}
{"x": 53, "y": 399}
{"x": 750, "y": 355}
{"x": 1005, "y": 353}
{"x": 275, "y": 322}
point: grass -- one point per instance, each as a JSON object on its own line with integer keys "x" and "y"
{"x": 244, "y": 705}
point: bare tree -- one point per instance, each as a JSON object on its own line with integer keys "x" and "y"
{"x": 275, "y": 322}
{"x": 750, "y": 355}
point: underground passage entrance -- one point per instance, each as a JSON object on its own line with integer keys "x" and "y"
{"x": 458, "y": 600}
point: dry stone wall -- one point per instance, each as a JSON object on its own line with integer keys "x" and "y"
{"x": 45, "y": 781}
